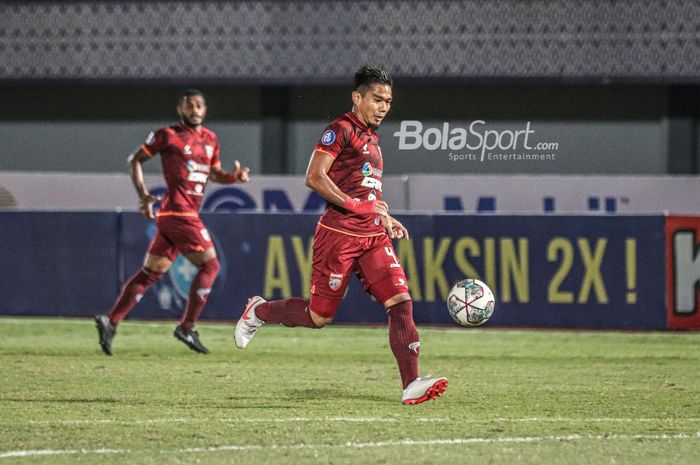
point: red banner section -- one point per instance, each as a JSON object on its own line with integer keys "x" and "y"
{"x": 683, "y": 272}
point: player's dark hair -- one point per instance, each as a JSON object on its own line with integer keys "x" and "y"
{"x": 189, "y": 93}
{"x": 369, "y": 75}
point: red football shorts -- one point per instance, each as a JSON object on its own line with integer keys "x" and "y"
{"x": 182, "y": 234}
{"x": 337, "y": 255}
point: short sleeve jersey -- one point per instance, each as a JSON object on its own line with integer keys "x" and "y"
{"x": 357, "y": 171}
{"x": 187, "y": 157}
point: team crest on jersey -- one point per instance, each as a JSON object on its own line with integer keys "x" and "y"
{"x": 328, "y": 137}
{"x": 335, "y": 281}
{"x": 367, "y": 169}
{"x": 210, "y": 150}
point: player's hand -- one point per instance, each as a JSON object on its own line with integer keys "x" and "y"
{"x": 394, "y": 228}
{"x": 146, "y": 205}
{"x": 240, "y": 174}
{"x": 381, "y": 208}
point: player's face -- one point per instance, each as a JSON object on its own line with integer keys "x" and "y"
{"x": 374, "y": 105}
{"x": 192, "y": 110}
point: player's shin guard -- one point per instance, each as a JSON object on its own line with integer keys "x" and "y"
{"x": 404, "y": 341}
{"x": 289, "y": 312}
{"x": 131, "y": 293}
{"x": 199, "y": 292}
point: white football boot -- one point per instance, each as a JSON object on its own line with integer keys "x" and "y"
{"x": 422, "y": 389}
{"x": 248, "y": 323}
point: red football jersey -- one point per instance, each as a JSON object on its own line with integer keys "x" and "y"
{"x": 187, "y": 157}
{"x": 357, "y": 171}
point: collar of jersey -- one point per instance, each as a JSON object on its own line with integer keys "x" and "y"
{"x": 354, "y": 120}
{"x": 187, "y": 128}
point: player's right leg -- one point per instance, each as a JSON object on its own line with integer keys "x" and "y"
{"x": 158, "y": 260}
{"x": 132, "y": 291}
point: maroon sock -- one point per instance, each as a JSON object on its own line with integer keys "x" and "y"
{"x": 131, "y": 293}
{"x": 199, "y": 292}
{"x": 404, "y": 341}
{"x": 289, "y": 312}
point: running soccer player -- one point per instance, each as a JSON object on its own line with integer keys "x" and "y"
{"x": 353, "y": 235}
{"x": 189, "y": 153}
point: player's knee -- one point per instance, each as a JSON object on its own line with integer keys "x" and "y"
{"x": 320, "y": 321}
{"x": 397, "y": 299}
{"x": 211, "y": 267}
{"x": 157, "y": 265}
{"x": 322, "y": 309}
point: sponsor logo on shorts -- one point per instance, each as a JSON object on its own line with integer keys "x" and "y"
{"x": 328, "y": 137}
{"x": 335, "y": 281}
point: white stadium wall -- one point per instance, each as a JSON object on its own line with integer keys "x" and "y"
{"x": 517, "y": 194}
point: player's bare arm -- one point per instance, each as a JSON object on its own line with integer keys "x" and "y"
{"x": 239, "y": 175}
{"x": 146, "y": 200}
{"x": 318, "y": 180}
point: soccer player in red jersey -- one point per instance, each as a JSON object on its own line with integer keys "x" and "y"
{"x": 189, "y": 153}
{"x": 353, "y": 235}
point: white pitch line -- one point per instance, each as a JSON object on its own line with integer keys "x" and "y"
{"x": 358, "y": 420}
{"x": 237, "y": 420}
{"x": 31, "y": 453}
{"x": 365, "y": 445}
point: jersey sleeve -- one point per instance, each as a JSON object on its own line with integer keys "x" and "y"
{"x": 333, "y": 140}
{"x": 156, "y": 142}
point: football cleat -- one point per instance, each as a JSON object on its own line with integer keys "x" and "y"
{"x": 190, "y": 338}
{"x": 422, "y": 389}
{"x": 248, "y": 323}
{"x": 106, "y": 332}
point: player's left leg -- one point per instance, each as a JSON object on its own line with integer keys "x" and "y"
{"x": 208, "y": 268}
{"x": 329, "y": 279}
{"x": 384, "y": 278}
{"x": 192, "y": 238}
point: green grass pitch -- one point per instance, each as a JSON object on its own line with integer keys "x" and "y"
{"x": 332, "y": 396}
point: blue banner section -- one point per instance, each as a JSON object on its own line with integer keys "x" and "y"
{"x": 57, "y": 263}
{"x": 545, "y": 271}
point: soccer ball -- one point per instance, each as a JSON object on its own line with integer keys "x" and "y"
{"x": 470, "y": 302}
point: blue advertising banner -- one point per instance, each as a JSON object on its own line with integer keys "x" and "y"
{"x": 62, "y": 264}
{"x": 545, "y": 271}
